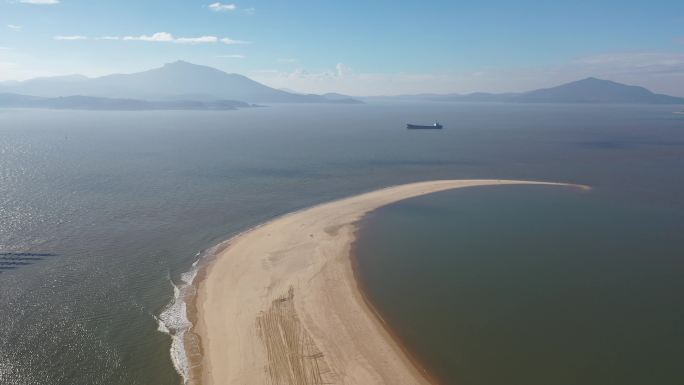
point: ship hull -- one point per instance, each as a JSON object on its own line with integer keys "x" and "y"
{"x": 418, "y": 127}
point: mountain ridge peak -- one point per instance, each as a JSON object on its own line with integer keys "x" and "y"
{"x": 169, "y": 81}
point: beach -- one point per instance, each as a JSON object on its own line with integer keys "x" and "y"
{"x": 280, "y": 304}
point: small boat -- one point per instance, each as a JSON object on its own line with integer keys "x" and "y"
{"x": 435, "y": 126}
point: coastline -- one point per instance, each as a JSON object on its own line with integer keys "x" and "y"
{"x": 412, "y": 358}
{"x": 281, "y": 304}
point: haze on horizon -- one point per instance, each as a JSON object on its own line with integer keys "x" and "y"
{"x": 354, "y": 47}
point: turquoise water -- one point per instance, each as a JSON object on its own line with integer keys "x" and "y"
{"x": 531, "y": 285}
{"x": 102, "y": 213}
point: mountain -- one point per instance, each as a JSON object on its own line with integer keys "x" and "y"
{"x": 172, "y": 81}
{"x": 79, "y": 102}
{"x": 590, "y": 90}
{"x": 184, "y": 84}
{"x": 477, "y": 97}
{"x": 14, "y": 100}
{"x": 341, "y": 99}
{"x": 290, "y": 90}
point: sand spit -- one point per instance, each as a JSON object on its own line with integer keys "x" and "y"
{"x": 280, "y": 305}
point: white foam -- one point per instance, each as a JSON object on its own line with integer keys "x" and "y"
{"x": 173, "y": 320}
{"x": 161, "y": 327}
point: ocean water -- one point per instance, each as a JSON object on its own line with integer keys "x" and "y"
{"x": 104, "y": 214}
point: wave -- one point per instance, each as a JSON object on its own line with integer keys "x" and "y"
{"x": 173, "y": 319}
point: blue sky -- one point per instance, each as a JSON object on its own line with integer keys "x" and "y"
{"x": 358, "y": 47}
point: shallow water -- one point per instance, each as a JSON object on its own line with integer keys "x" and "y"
{"x": 531, "y": 285}
{"x": 103, "y": 212}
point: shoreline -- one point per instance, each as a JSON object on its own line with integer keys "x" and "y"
{"x": 281, "y": 302}
{"x": 410, "y": 355}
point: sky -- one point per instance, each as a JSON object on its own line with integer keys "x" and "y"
{"x": 370, "y": 47}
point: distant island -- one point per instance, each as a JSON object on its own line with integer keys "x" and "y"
{"x": 185, "y": 86}
{"x": 587, "y": 91}
{"x": 177, "y": 85}
{"x": 79, "y": 102}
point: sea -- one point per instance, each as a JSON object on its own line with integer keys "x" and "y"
{"x": 105, "y": 217}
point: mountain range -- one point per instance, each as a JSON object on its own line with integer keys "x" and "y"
{"x": 589, "y": 90}
{"x": 182, "y": 85}
{"x": 98, "y": 103}
{"x": 174, "y": 81}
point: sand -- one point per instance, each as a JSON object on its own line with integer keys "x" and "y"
{"x": 280, "y": 305}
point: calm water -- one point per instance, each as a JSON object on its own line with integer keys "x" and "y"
{"x": 101, "y": 213}
{"x": 531, "y": 285}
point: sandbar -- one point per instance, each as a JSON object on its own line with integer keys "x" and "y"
{"x": 280, "y": 304}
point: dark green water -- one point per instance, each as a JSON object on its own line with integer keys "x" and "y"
{"x": 531, "y": 285}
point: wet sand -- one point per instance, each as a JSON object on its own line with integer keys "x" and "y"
{"x": 280, "y": 305}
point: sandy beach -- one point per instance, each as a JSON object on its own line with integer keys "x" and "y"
{"x": 280, "y": 305}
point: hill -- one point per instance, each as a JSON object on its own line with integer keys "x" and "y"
{"x": 79, "y": 102}
{"x": 589, "y": 90}
{"x": 172, "y": 81}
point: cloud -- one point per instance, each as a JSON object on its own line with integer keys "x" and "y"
{"x": 73, "y": 37}
{"x": 40, "y": 2}
{"x": 341, "y": 79}
{"x": 159, "y": 36}
{"x": 229, "y": 41}
{"x": 196, "y": 40}
{"x": 166, "y": 37}
{"x": 343, "y": 70}
{"x": 221, "y": 7}
{"x": 249, "y": 11}
{"x": 234, "y": 56}
{"x": 14, "y": 27}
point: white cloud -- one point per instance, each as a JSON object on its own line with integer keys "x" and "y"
{"x": 343, "y": 70}
{"x": 14, "y": 27}
{"x": 221, "y": 7}
{"x": 235, "y": 56}
{"x": 227, "y": 40}
{"x": 249, "y": 11}
{"x": 40, "y": 2}
{"x": 159, "y": 36}
{"x": 196, "y": 40}
{"x": 73, "y": 37}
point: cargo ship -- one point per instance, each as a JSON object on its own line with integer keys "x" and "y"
{"x": 435, "y": 126}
